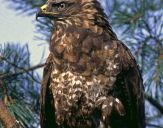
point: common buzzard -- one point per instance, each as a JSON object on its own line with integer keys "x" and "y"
{"x": 91, "y": 79}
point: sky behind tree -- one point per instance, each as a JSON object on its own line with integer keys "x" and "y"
{"x": 19, "y": 28}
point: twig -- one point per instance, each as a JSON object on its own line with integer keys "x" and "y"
{"x": 153, "y": 125}
{"x": 4, "y": 76}
{"x": 14, "y": 65}
{"x": 154, "y": 102}
{"x": 37, "y": 81}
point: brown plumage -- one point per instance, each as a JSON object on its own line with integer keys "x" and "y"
{"x": 91, "y": 79}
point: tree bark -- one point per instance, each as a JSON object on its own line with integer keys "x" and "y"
{"x": 5, "y": 117}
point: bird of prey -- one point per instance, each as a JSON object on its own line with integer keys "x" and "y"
{"x": 91, "y": 79}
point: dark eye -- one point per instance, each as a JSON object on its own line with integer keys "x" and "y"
{"x": 61, "y": 6}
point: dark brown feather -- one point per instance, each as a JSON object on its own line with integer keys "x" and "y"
{"x": 46, "y": 99}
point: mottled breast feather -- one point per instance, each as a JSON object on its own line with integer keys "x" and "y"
{"x": 85, "y": 70}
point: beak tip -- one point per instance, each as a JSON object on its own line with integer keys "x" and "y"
{"x": 37, "y": 15}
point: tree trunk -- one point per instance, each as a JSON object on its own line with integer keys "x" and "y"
{"x": 6, "y": 118}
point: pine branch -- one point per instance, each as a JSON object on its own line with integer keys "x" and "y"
{"x": 154, "y": 102}
{"x": 154, "y": 125}
{"x": 12, "y": 64}
{"x": 16, "y": 66}
{"x": 4, "y": 76}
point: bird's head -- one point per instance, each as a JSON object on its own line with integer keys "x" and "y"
{"x": 56, "y": 9}
{"x": 60, "y": 10}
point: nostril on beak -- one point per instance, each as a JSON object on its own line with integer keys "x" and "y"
{"x": 44, "y": 7}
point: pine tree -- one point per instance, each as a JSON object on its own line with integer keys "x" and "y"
{"x": 19, "y": 84}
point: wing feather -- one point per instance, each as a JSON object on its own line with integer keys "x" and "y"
{"x": 133, "y": 96}
{"x": 46, "y": 100}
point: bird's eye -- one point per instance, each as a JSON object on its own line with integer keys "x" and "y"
{"x": 61, "y": 6}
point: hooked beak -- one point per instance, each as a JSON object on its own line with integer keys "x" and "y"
{"x": 45, "y": 11}
{"x": 42, "y": 11}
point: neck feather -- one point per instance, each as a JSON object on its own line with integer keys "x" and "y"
{"x": 90, "y": 17}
